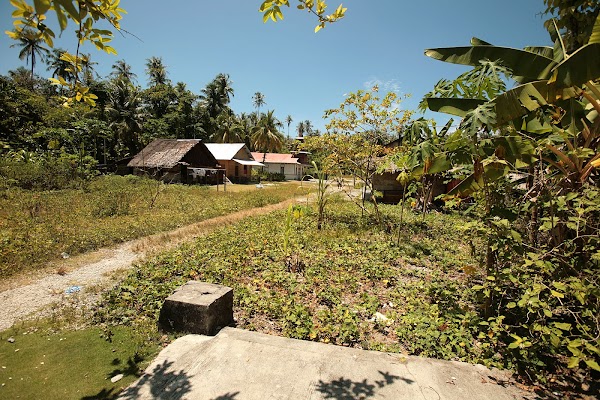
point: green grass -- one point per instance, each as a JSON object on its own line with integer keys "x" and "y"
{"x": 36, "y": 227}
{"x": 328, "y": 285}
{"x": 69, "y": 365}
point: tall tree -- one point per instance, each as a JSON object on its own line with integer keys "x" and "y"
{"x": 258, "y": 100}
{"x": 288, "y": 121}
{"x": 301, "y": 129}
{"x": 228, "y": 129}
{"x": 122, "y": 70}
{"x": 224, "y": 87}
{"x": 265, "y": 135}
{"x": 31, "y": 45}
{"x": 58, "y": 66}
{"x": 574, "y": 18}
{"x": 308, "y": 128}
{"x": 126, "y": 115}
{"x": 157, "y": 71}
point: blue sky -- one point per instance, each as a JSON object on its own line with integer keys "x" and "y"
{"x": 299, "y": 72}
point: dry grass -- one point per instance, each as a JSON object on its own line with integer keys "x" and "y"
{"x": 167, "y": 240}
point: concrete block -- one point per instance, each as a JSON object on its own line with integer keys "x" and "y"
{"x": 197, "y": 307}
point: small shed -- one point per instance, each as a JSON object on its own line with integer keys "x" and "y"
{"x": 236, "y": 159}
{"x": 177, "y": 160}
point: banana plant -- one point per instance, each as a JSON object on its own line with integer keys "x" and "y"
{"x": 546, "y": 102}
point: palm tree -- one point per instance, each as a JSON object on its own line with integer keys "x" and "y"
{"x": 126, "y": 113}
{"x": 258, "y": 100}
{"x": 223, "y": 85}
{"x": 288, "y": 121}
{"x": 212, "y": 101}
{"x": 156, "y": 70}
{"x": 30, "y": 43}
{"x": 122, "y": 70}
{"x": 265, "y": 135}
{"x": 87, "y": 69}
{"x": 58, "y": 66}
{"x": 300, "y": 128}
{"x": 308, "y": 127}
{"x": 228, "y": 129}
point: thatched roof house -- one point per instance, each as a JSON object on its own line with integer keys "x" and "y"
{"x": 176, "y": 160}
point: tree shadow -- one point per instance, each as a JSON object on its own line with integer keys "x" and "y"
{"x": 131, "y": 368}
{"x": 346, "y": 389}
{"x": 104, "y": 394}
{"x": 163, "y": 384}
{"x": 227, "y": 396}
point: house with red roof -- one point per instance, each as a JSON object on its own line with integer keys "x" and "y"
{"x": 289, "y": 165}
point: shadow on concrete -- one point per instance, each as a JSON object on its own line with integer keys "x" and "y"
{"x": 227, "y": 396}
{"x": 346, "y": 389}
{"x": 162, "y": 384}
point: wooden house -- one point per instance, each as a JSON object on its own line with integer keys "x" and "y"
{"x": 236, "y": 159}
{"x": 177, "y": 160}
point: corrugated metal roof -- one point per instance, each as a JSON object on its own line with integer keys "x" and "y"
{"x": 224, "y": 151}
{"x": 248, "y": 162}
{"x": 275, "y": 158}
{"x": 163, "y": 153}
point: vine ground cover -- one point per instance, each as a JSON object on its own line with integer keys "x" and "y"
{"x": 349, "y": 284}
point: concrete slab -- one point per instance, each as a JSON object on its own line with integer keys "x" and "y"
{"x": 241, "y": 365}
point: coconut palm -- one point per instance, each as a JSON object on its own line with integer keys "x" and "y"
{"x": 224, "y": 88}
{"x": 258, "y": 100}
{"x": 59, "y": 67}
{"x": 87, "y": 69}
{"x": 211, "y": 99}
{"x": 288, "y": 121}
{"x": 228, "y": 129}
{"x": 126, "y": 113}
{"x": 308, "y": 128}
{"x": 301, "y": 129}
{"x": 265, "y": 135}
{"x": 157, "y": 71}
{"x": 122, "y": 70}
{"x": 31, "y": 45}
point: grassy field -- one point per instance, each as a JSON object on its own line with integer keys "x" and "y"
{"x": 37, "y": 227}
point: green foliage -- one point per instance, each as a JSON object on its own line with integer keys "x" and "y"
{"x": 541, "y": 293}
{"x": 29, "y": 171}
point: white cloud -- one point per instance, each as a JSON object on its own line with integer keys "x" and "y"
{"x": 391, "y": 85}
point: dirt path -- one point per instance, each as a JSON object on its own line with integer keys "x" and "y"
{"x": 83, "y": 277}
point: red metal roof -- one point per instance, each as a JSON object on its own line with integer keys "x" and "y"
{"x": 275, "y": 158}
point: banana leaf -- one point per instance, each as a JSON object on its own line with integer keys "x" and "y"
{"x": 526, "y": 66}
{"x": 453, "y": 106}
{"x": 580, "y": 67}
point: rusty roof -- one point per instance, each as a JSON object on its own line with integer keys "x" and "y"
{"x": 164, "y": 153}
